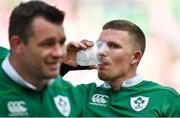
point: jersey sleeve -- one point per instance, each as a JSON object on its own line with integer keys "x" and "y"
{"x": 86, "y": 88}
{"x": 66, "y": 68}
{"x": 173, "y": 103}
{"x": 174, "y": 109}
{"x": 4, "y": 53}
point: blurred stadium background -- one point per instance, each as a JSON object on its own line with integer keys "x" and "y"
{"x": 159, "y": 19}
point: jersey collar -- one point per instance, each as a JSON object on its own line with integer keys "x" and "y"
{"x": 132, "y": 82}
{"x": 11, "y": 72}
{"x": 128, "y": 83}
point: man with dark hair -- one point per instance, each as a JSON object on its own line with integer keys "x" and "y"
{"x": 125, "y": 93}
{"x": 30, "y": 84}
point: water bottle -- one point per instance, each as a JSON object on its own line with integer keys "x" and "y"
{"x": 90, "y": 56}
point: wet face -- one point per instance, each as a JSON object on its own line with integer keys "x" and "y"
{"x": 117, "y": 60}
{"x": 43, "y": 53}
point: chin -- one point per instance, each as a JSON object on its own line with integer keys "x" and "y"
{"x": 102, "y": 77}
{"x": 52, "y": 75}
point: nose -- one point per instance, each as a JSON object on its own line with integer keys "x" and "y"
{"x": 102, "y": 51}
{"x": 58, "y": 51}
{"x": 102, "y": 55}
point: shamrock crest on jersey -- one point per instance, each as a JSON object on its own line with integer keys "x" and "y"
{"x": 139, "y": 103}
{"x": 62, "y": 104}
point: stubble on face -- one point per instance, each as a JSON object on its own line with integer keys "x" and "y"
{"x": 117, "y": 60}
{"x": 45, "y": 48}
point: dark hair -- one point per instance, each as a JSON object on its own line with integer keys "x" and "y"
{"x": 131, "y": 28}
{"x": 23, "y": 15}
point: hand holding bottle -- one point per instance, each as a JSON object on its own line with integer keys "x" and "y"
{"x": 89, "y": 56}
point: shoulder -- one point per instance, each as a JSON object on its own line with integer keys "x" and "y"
{"x": 89, "y": 88}
{"x": 86, "y": 86}
{"x": 61, "y": 83}
{"x": 7, "y": 86}
{"x": 167, "y": 90}
{"x": 4, "y": 52}
{"x": 63, "y": 87}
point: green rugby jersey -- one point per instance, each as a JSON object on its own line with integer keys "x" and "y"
{"x": 3, "y": 53}
{"x": 57, "y": 99}
{"x": 145, "y": 99}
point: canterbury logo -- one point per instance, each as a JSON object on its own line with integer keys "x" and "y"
{"x": 17, "y": 108}
{"x": 99, "y": 98}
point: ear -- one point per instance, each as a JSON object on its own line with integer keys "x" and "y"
{"x": 136, "y": 57}
{"x": 16, "y": 44}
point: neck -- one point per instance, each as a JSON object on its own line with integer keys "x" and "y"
{"x": 29, "y": 77}
{"x": 117, "y": 83}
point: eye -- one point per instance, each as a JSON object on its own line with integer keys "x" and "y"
{"x": 62, "y": 41}
{"x": 48, "y": 43}
{"x": 113, "y": 45}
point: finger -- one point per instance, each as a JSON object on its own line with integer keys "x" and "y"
{"x": 77, "y": 45}
{"x": 73, "y": 44}
{"x": 82, "y": 45}
{"x": 87, "y": 43}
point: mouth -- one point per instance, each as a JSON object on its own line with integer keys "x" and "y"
{"x": 54, "y": 65}
{"x": 103, "y": 65}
